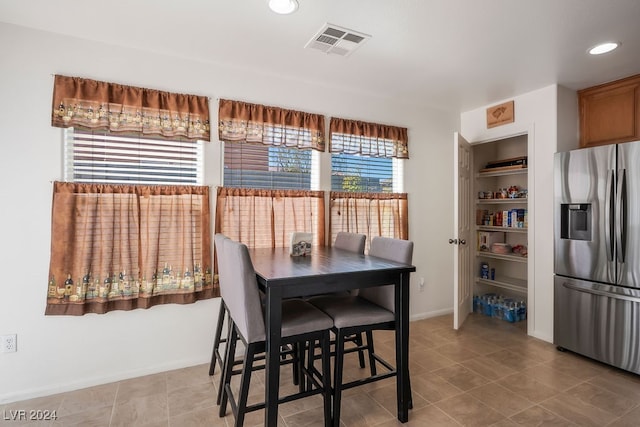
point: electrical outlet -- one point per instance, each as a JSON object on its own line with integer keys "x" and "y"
{"x": 8, "y": 343}
{"x": 421, "y": 284}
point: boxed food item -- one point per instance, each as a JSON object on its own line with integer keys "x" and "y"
{"x": 487, "y": 238}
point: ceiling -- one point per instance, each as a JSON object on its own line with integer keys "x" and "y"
{"x": 453, "y": 55}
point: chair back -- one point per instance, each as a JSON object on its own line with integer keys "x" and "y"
{"x": 239, "y": 288}
{"x": 397, "y": 250}
{"x": 352, "y": 242}
{"x": 218, "y": 240}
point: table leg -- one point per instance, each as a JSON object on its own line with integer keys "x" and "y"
{"x": 402, "y": 346}
{"x": 273, "y": 331}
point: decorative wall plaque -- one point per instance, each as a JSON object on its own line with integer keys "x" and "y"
{"x": 500, "y": 114}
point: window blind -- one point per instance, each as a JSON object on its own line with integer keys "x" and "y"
{"x": 356, "y": 173}
{"x": 269, "y": 167}
{"x": 100, "y": 157}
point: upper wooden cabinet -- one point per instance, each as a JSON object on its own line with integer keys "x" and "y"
{"x": 610, "y": 113}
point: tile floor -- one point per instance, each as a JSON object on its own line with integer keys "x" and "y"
{"x": 487, "y": 374}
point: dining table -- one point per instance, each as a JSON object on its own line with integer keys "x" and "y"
{"x": 281, "y": 276}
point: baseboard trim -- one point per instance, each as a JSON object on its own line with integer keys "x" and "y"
{"x": 98, "y": 380}
{"x": 430, "y": 314}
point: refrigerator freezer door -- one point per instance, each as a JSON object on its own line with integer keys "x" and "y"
{"x": 584, "y": 195}
{"x": 628, "y": 215}
{"x": 598, "y": 321}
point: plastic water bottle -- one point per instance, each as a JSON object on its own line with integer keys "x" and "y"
{"x": 522, "y": 311}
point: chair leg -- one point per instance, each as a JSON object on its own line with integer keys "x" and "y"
{"x": 370, "y": 347}
{"x": 358, "y": 341}
{"x": 337, "y": 379}
{"x": 218, "y": 337}
{"x": 245, "y": 381}
{"x": 227, "y": 366}
{"x": 298, "y": 365}
{"x": 326, "y": 372}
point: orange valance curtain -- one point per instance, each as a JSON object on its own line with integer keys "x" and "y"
{"x": 367, "y": 139}
{"x": 373, "y": 214}
{"x": 255, "y": 123}
{"x": 266, "y": 218}
{"x": 121, "y": 247}
{"x": 97, "y": 105}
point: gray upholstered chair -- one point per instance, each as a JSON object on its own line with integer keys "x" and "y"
{"x": 373, "y": 309}
{"x": 223, "y": 317}
{"x": 352, "y": 242}
{"x": 302, "y": 323}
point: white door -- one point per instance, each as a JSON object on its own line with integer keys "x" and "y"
{"x": 462, "y": 276}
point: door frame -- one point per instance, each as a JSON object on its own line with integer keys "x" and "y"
{"x": 514, "y": 131}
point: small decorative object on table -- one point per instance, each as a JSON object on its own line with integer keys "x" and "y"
{"x": 300, "y": 244}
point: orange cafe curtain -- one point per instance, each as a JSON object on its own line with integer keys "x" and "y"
{"x": 368, "y": 139}
{"x": 96, "y": 105}
{"x": 254, "y": 123}
{"x": 122, "y": 247}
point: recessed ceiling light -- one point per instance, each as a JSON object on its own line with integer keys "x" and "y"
{"x": 283, "y": 7}
{"x": 603, "y": 48}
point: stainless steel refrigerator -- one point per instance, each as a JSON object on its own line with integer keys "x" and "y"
{"x": 597, "y": 253}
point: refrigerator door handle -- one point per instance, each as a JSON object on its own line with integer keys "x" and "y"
{"x": 579, "y": 288}
{"x": 609, "y": 207}
{"x": 621, "y": 217}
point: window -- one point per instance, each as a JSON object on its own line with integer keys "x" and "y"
{"x": 270, "y": 167}
{"x": 366, "y": 179}
{"x": 104, "y": 157}
{"x": 356, "y": 173}
{"x": 271, "y": 170}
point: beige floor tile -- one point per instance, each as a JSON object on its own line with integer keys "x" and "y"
{"x": 461, "y": 377}
{"x": 577, "y": 366}
{"x": 509, "y": 359}
{"x": 619, "y": 382}
{"x": 309, "y": 418}
{"x": 613, "y": 403}
{"x": 629, "y": 419}
{"x": 145, "y": 410}
{"x": 142, "y": 387}
{"x": 527, "y": 387}
{"x": 501, "y": 399}
{"x": 89, "y": 418}
{"x": 88, "y": 399}
{"x": 362, "y": 410}
{"x": 433, "y": 388}
{"x": 469, "y": 411}
{"x": 191, "y": 398}
{"x": 429, "y": 416}
{"x": 578, "y": 411}
{"x": 456, "y": 352}
{"x": 201, "y": 417}
{"x": 488, "y": 368}
{"x": 194, "y": 375}
{"x": 537, "y": 416}
{"x": 430, "y": 360}
{"x": 551, "y": 377}
{"x": 386, "y": 397}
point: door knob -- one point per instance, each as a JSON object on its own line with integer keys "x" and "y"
{"x": 463, "y": 242}
{"x": 453, "y": 241}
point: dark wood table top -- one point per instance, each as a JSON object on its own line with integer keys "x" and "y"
{"x": 275, "y": 267}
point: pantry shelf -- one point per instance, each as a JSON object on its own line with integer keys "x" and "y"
{"x": 510, "y": 283}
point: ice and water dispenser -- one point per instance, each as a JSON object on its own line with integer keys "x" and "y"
{"x": 575, "y": 221}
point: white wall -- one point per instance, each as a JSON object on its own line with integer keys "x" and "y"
{"x": 551, "y": 114}
{"x": 60, "y": 353}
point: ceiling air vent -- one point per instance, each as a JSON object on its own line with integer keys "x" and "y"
{"x": 337, "y": 40}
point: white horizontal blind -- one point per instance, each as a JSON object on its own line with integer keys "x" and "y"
{"x": 101, "y": 157}
{"x": 357, "y": 173}
{"x": 269, "y": 167}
